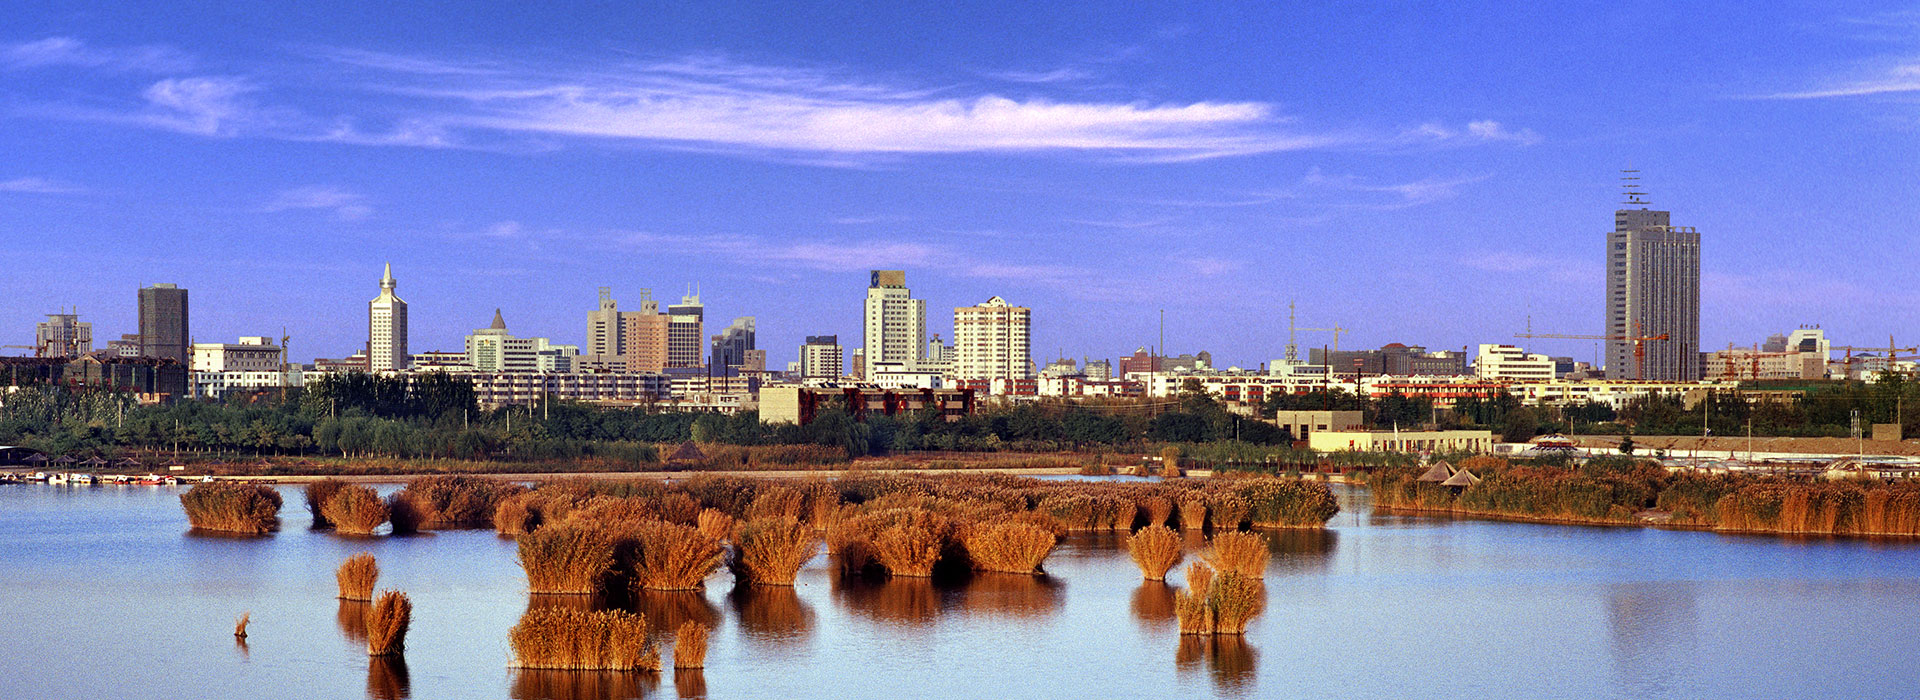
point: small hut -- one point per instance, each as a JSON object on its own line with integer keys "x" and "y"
{"x": 1439, "y": 472}
{"x": 64, "y": 459}
{"x": 1461, "y": 479}
{"x": 688, "y": 454}
{"x": 127, "y": 463}
{"x": 94, "y": 462}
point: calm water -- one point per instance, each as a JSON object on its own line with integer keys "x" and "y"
{"x": 107, "y": 595}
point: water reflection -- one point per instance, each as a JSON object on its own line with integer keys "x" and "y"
{"x": 532, "y": 684}
{"x": 773, "y": 614}
{"x": 1012, "y": 595}
{"x": 1301, "y": 550}
{"x": 567, "y": 601}
{"x": 667, "y": 610}
{"x": 352, "y": 618}
{"x": 1153, "y": 604}
{"x": 1228, "y": 659}
{"x": 1653, "y": 627}
{"x": 690, "y": 683}
{"x": 240, "y": 646}
{"x": 222, "y": 562}
{"x": 899, "y": 600}
{"x": 920, "y": 601}
{"x": 387, "y": 678}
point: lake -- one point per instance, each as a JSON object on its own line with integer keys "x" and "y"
{"x": 107, "y": 594}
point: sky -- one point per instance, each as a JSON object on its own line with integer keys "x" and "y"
{"x": 1436, "y": 175}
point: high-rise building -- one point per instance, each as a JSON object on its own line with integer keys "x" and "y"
{"x": 387, "y": 328}
{"x": 493, "y": 349}
{"x": 686, "y": 332}
{"x": 895, "y": 322}
{"x": 63, "y": 335}
{"x": 731, "y": 346}
{"x": 163, "y": 323}
{"x": 821, "y": 358}
{"x": 603, "y": 326}
{"x": 1653, "y": 289}
{"x": 992, "y": 340}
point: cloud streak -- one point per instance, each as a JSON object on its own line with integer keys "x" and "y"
{"x": 1901, "y": 78}
{"x": 68, "y": 52}
{"x": 345, "y": 205}
{"x": 39, "y": 185}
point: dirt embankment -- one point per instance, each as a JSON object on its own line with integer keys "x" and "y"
{"x": 1799, "y": 445}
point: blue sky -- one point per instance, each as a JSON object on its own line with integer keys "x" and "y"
{"x": 1422, "y": 175}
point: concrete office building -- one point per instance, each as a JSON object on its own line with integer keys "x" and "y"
{"x": 992, "y": 340}
{"x": 1511, "y": 364}
{"x": 62, "y": 335}
{"x": 821, "y": 358}
{"x": 493, "y": 349}
{"x": 731, "y": 346}
{"x": 251, "y": 354}
{"x": 164, "y": 330}
{"x": 387, "y": 328}
{"x": 1653, "y": 289}
{"x": 686, "y": 332}
{"x": 895, "y": 323}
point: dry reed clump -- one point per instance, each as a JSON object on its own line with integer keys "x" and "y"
{"x": 776, "y": 502}
{"x": 822, "y": 504}
{"x": 690, "y": 645}
{"x": 1009, "y": 546}
{"x": 240, "y": 625}
{"x": 355, "y": 510}
{"x": 1073, "y": 511}
{"x": 1227, "y": 511}
{"x": 671, "y": 557}
{"x": 1157, "y": 509}
{"x": 1217, "y": 604}
{"x": 909, "y": 549}
{"x": 1190, "y": 605}
{"x": 448, "y": 501}
{"x": 679, "y": 509}
{"x": 1288, "y": 503}
{"x": 715, "y": 524}
{"x": 769, "y": 551}
{"x": 228, "y": 506}
{"x": 567, "y": 639}
{"x": 356, "y": 577}
{"x": 1193, "y": 511}
{"x": 317, "y": 494}
{"x": 1244, "y": 553}
{"x": 517, "y": 515}
{"x": 1096, "y": 469}
{"x": 387, "y": 623}
{"x": 1156, "y": 549}
{"x": 567, "y": 557}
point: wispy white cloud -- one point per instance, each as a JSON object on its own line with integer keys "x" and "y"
{"x": 1558, "y": 269}
{"x": 1900, "y": 78}
{"x": 1402, "y": 195}
{"x": 69, "y": 52}
{"x": 39, "y": 185}
{"x": 1057, "y": 75}
{"x": 1478, "y": 131}
{"x": 346, "y": 205}
{"x": 871, "y": 219}
{"x": 207, "y": 106}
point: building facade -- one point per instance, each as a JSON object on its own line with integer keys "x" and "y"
{"x": 821, "y": 358}
{"x": 164, "y": 329}
{"x": 251, "y": 354}
{"x": 387, "y": 328}
{"x": 1653, "y": 289}
{"x": 895, "y": 323}
{"x": 731, "y": 346}
{"x": 686, "y": 332}
{"x": 992, "y": 340}
{"x": 1507, "y": 363}
{"x": 494, "y": 350}
{"x": 63, "y": 335}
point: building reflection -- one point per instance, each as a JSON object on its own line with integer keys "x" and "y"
{"x": 387, "y": 678}
{"x": 773, "y": 614}
{"x": 532, "y": 684}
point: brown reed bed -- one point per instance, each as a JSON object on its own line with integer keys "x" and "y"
{"x": 690, "y": 646}
{"x": 769, "y": 551}
{"x": 356, "y": 577}
{"x": 1009, "y": 546}
{"x": 567, "y": 557}
{"x": 317, "y": 493}
{"x": 1190, "y": 605}
{"x": 1193, "y": 510}
{"x": 1155, "y": 510}
{"x": 387, "y": 622}
{"x": 599, "y": 640}
{"x": 776, "y": 501}
{"x": 1156, "y": 549}
{"x": 448, "y": 501}
{"x": 670, "y": 557}
{"x": 1228, "y": 511}
{"x": 1217, "y": 603}
{"x": 1244, "y": 553}
{"x": 715, "y": 524}
{"x": 229, "y": 506}
{"x": 355, "y": 510}
{"x": 679, "y": 509}
{"x": 240, "y": 625}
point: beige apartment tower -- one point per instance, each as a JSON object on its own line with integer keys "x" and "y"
{"x": 895, "y": 327}
{"x": 387, "y": 328}
{"x": 992, "y": 340}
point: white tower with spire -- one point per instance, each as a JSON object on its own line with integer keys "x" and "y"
{"x": 387, "y": 329}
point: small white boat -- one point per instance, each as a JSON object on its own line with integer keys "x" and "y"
{"x": 83, "y": 479}
{"x": 56, "y": 478}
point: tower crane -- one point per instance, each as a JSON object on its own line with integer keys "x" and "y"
{"x": 1292, "y": 348}
{"x": 1639, "y": 345}
{"x": 1893, "y": 354}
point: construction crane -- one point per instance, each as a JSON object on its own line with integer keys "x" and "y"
{"x": 36, "y": 349}
{"x": 1732, "y": 372}
{"x": 1292, "y": 349}
{"x": 1639, "y": 346}
{"x": 1893, "y": 354}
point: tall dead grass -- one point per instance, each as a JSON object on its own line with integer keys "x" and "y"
{"x": 1009, "y": 546}
{"x": 1244, "y": 553}
{"x": 566, "y": 639}
{"x": 769, "y": 551}
{"x": 690, "y": 646}
{"x": 1193, "y": 511}
{"x": 1220, "y": 603}
{"x": 567, "y": 557}
{"x": 448, "y": 501}
{"x": 671, "y": 557}
{"x": 317, "y": 493}
{"x": 1156, "y": 549}
{"x": 715, "y": 524}
{"x": 356, "y": 577}
{"x": 228, "y": 506}
{"x": 355, "y": 510}
{"x": 387, "y": 623}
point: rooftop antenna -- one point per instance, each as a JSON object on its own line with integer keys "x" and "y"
{"x": 1292, "y": 352}
{"x": 1630, "y": 188}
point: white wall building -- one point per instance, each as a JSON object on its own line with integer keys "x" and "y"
{"x": 901, "y": 375}
{"x": 493, "y": 349}
{"x": 387, "y": 328}
{"x": 63, "y": 335}
{"x": 1512, "y": 364}
{"x": 992, "y": 340}
{"x": 216, "y": 385}
{"x": 821, "y": 358}
{"x": 895, "y": 323}
{"x": 252, "y": 353}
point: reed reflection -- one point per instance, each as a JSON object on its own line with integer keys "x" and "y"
{"x": 689, "y": 683}
{"x": 773, "y": 614}
{"x": 352, "y": 618}
{"x": 667, "y": 610}
{"x": 903, "y": 600}
{"x": 1153, "y": 604}
{"x": 387, "y": 678}
{"x": 568, "y": 601}
{"x": 530, "y": 684}
{"x": 1012, "y": 595}
{"x": 1301, "y": 550}
{"x": 1228, "y": 659}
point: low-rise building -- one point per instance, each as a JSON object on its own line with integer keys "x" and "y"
{"x": 217, "y": 385}
{"x": 1303, "y": 424}
{"x": 800, "y": 405}
{"x": 1508, "y": 363}
{"x": 251, "y": 354}
{"x": 1432, "y": 441}
{"x": 493, "y": 389}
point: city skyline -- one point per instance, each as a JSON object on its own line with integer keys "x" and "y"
{"x": 1097, "y": 169}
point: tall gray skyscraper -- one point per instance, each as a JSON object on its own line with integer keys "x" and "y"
{"x": 163, "y": 323}
{"x": 1653, "y": 288}
{"x": 731, "y": 346}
